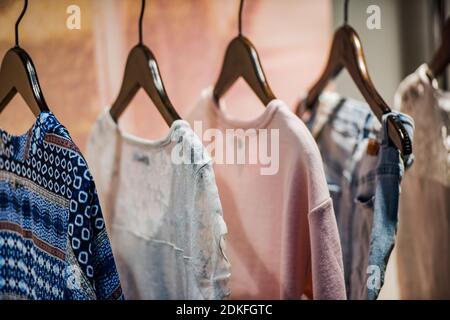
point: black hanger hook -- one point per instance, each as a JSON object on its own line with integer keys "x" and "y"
{"x": 141, "y": 17}
{"x": 346, "y": 12}
{"x": 25, "y": 6}
{"x": 241, "y": 7}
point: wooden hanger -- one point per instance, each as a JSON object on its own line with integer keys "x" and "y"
{"x": 346, "y": 52}
{"x": 142, "y": 71}
{"x": 442, "y": 57}
{"x": 18, "y": 75}
{"x": 242, "y": 60}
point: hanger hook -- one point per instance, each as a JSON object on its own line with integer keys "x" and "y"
{"x": 241, "y": 7}
{"x": 25, "y": 6}
{"x": 346, "y": 12}
{"x": 141, "y": 18}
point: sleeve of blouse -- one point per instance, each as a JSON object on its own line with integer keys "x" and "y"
{"x": 88, "y": 237}
{"x": 212, "y": 265}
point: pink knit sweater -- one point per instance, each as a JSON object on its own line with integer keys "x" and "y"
{"x": 282, "y": 238}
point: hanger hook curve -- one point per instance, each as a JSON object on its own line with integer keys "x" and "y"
{"x": 141, "y": 18}
{"x": 346, "y": 12}
{"x": 241, "y": 7}
{"x": 25, "y": 6}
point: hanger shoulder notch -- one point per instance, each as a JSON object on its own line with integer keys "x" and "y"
{"x": 142, "y": 71}
{"x": 18, "y": 75}
{"x": 242, "y": 60}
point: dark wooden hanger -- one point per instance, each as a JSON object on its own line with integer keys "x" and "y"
{"x": 346, "y": 52}
{"x": 242, "y": 60}
{"x": 18, "y": 75}
{"x": 442, "y": 57}
{"x": 142, "y": 71}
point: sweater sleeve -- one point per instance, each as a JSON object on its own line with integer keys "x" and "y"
{"x": 313, "y": 267}
{"x": 326, "y": 254}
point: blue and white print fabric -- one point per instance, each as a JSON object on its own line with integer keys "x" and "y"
{"x": 53, "y": 241}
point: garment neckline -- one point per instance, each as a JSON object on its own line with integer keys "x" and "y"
{"x": 30, "y": 139}
{"x": 142, "y": 142}
{"x": 220, "y": 109}
{"x": 423, "y": 71}
{"x": 40, "y": 119}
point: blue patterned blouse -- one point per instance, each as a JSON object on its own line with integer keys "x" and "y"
{"x": 53, "y": 242}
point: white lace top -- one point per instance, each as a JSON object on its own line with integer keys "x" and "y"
{"x": 163, "y": 212}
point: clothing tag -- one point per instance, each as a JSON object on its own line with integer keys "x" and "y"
{"x": 143, "y": 158}
{"x": 373, "y": 147}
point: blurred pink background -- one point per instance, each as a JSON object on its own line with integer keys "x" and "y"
{"x": 81, "y": 70}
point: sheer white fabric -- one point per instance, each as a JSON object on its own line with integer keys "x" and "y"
{"x": 165, "y": 218}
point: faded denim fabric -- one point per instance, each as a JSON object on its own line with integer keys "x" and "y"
{"x": 363, "y": 172}
{"x": 389, "y": 172}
